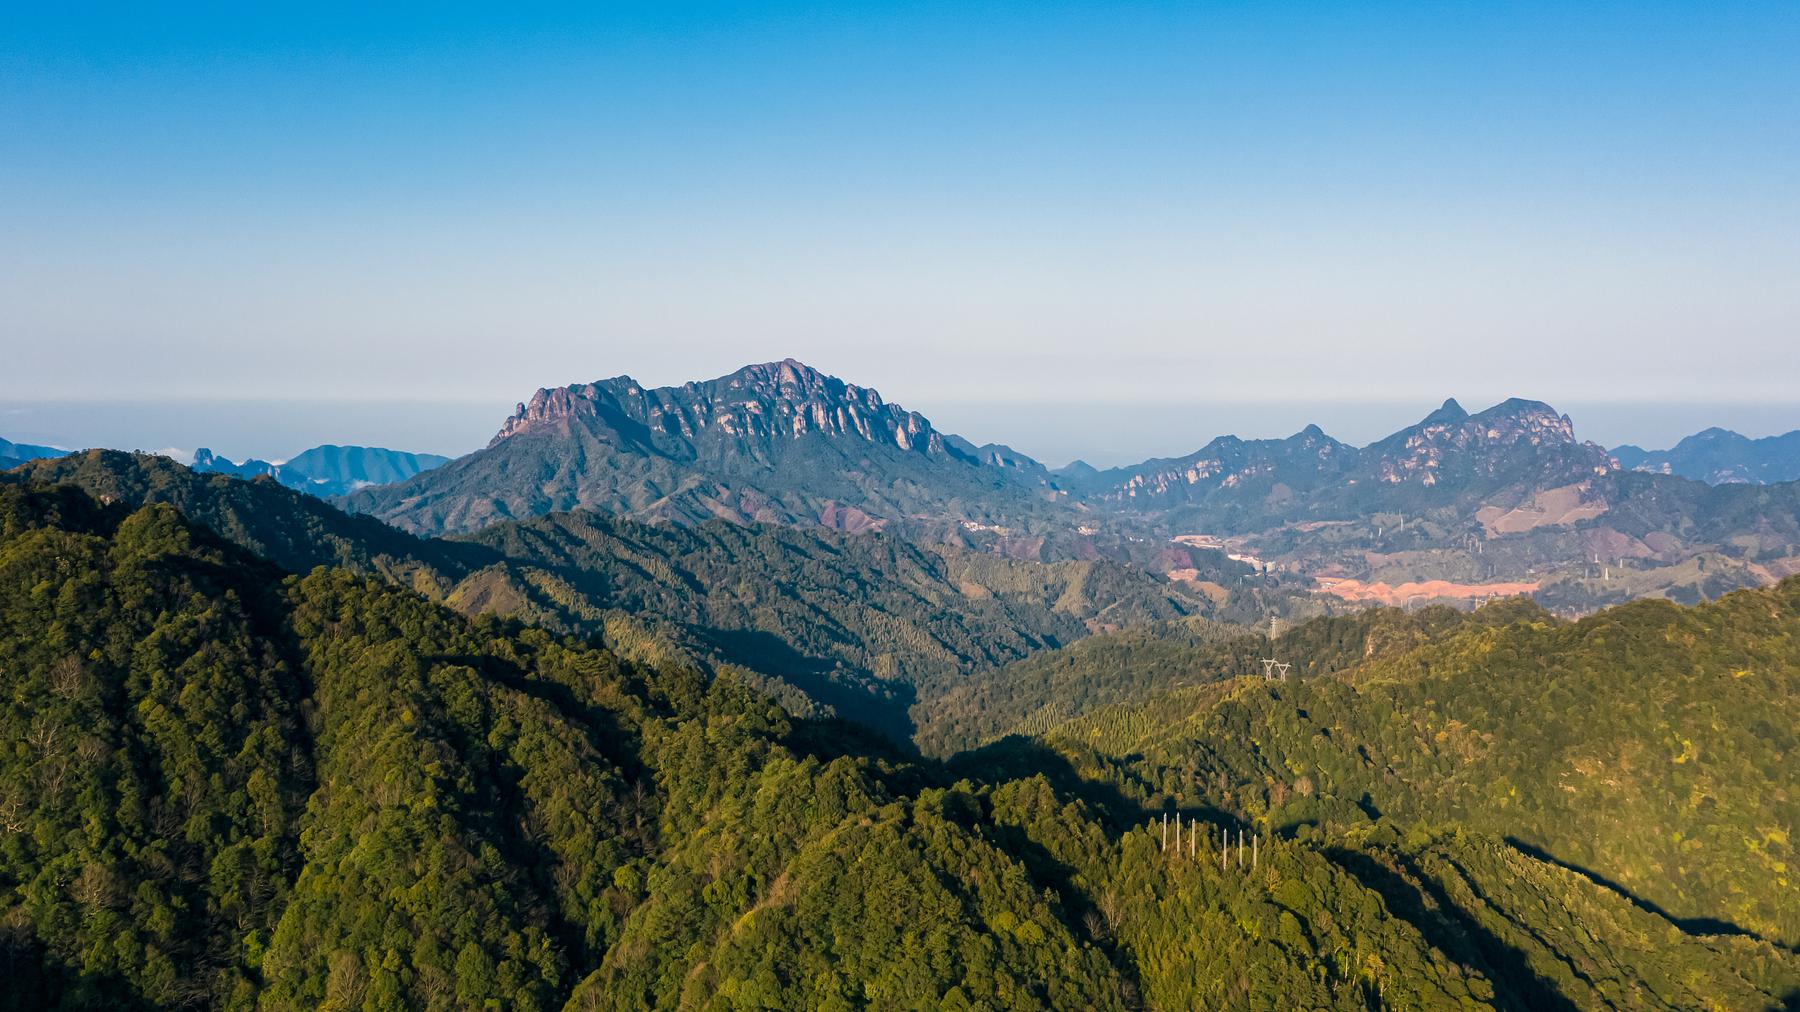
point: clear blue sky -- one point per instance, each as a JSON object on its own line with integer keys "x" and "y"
{"x": 957, "y": 203}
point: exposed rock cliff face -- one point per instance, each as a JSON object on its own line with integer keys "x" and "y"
{"x": 745, "y": 411}
{"x": 1449, "y": 453}
{"x": 778, "y": 442}
{"x": 1513, "y": 441}
{"x": 784, "y": 443}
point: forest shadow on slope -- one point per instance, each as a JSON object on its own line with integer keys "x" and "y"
{"x": 880, "y": 705}
{"x": 1414, "y": 897}
{"x": 1689, "y": 925}
{"x": 36, "y": 979}
{"x": 1019, "y": 757}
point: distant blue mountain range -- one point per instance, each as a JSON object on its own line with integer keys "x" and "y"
{"x": 18, "y": 453}
{"x": 1720, "y": 456}
{"x": 323, "y": 471}
{"x": 328, "y": 470}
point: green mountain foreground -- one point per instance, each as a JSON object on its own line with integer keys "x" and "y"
{"x": 231, "y": 783}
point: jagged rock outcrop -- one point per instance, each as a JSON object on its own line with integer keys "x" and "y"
{"x": 1448, "y": 454}
{"x": 744, "y": 412}
{"x": 782, "y": 442}
{"x": 1515, "y": 440}
{"x": 778, "y": 442}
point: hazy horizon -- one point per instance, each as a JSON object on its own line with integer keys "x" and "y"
{"x": 1104, "y": 434}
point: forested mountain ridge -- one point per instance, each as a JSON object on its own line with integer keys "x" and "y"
{"x": 859, "y": 625}
{"x": 238, "y": 789}
{"x": 295, "y": 531}
{"x": 334, "y": 470}
{"x": 325, "y": 792}
{"x": 863, "y": 624}
{"x": 1654, "y": 746}
{"x": 1227, "y": 466}
{"x": 1035, "y": 694}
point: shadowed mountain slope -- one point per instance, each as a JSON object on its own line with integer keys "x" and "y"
{"x": 1653, "y": 746}
{"x": 240, "y": 788}
{"x": 858, "y": 624}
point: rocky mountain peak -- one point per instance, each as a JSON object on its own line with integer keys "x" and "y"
{"x": 1506, "y": 422}
{"x": 1714, "y": 436}
{"x": 770, "y": 442}
{"x": 793, "y": 379}
{"x": 1518, "y": 418}
{"x": 1313, "y": 437}
{"x": 555, "y": 407}
{"x": 1487, "y": 443}
{"x": 758, "y": 404}
{"x": 1449, "y": 414}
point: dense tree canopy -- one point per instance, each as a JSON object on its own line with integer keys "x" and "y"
{"x": 224, "y": 785}
{"x": 860, "y": 626}
{"x": 1651, "y": 744}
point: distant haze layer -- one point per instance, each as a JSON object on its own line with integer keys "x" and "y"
{"x": 271, "y": 429}
{"x": 1104, "y": 433}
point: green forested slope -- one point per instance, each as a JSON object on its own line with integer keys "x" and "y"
{"x": 232, "y": 788}
{"x": 1650, "y": 745}
{"x": 889, "y": 615}
{"x": 154, "y": 764}
{"x": 228, "y": 787}
{"x": 295, "y": 531}
{"x": 1033, "y": 695}
{"x": 858, "y": 624}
